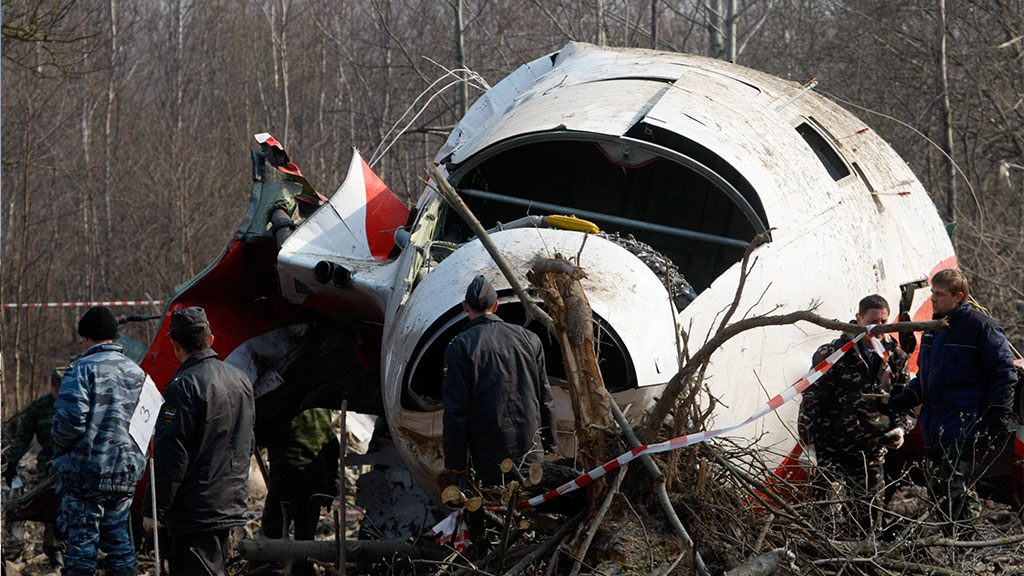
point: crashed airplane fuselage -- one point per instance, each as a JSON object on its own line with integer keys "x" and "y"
{"x": 680, "y": 160}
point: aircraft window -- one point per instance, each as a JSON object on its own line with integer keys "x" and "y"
{"x": 828, "y": 155}
{"x": 863, "y": 178}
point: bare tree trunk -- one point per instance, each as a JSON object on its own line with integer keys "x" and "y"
{"x": 567, "y": 303}
{"x": 284, "y": 71}
{"x": 460, "y": 51}
{"x": 108, "y": 138}
{"x": 181, "y": 181}
{"x": 947, "y": 116}
{"x": 602, "y": 35}
{"x": 730, "y": 32}
{"x": 22, "y": 259}
{"x": 88, "y": 223}
{"x": 715, "y": 29}
{"x": 654, "y": 24}
{"x": 386, "y": 109}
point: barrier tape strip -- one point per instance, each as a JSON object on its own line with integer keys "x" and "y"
{"x": 447, "y": 527}
{"x": 84, "y": 304}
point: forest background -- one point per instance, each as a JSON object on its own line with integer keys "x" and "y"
{"x": 126, "y": 124}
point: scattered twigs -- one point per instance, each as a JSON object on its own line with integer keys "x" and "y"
{"x": 598, "y": 518}
{"x": 274, "y": 550}
{"x": 659, "y": 482}
{"x": 762, "y": 489}
{"x": 764, "y": 532}
{"x": 762, "y": 565}
{"x": 510, "y": 513}
{"x": 533, "y": 312}
{"x": 546, "y": 546}
{"x": 890, "y": 563}
{"x": 950, "y": 543}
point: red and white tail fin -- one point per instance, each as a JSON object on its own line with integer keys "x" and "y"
{"x": 369, "y": 210}
{"x": 359, "y": 221}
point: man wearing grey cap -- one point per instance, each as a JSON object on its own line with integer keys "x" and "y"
{"x": 97, "y": 462}
{"x": 496, "y": 392}
{"x": 202, "y": 445}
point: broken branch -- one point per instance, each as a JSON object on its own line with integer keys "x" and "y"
{"x": 268, "y": 550}
{"x": 678, "y": 382}
{"x": 456, "y": 203}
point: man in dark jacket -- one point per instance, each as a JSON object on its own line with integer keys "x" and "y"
{"x": 36, "y": 422}
{"x": 496, "y": 392}
{"x": 202, "y": 446}
{"x": 845, "y": 417}
{"x": 98, "y": 463}
{"x": 964, "y": 384}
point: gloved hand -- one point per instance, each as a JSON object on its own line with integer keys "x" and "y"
{"x": 894, "y": 438}
{"x": 148, "y": 524}
{"x": 903, "y": 401}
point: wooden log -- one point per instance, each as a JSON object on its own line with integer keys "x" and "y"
{"x": 357, "y": 551}
{"x": 567, "y": 303}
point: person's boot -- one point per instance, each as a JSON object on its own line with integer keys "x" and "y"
{"x": 56, "y": 559}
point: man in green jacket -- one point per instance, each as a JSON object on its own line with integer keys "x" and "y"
{"x": 303, "y": 464}
{"x": 36, "y": 421}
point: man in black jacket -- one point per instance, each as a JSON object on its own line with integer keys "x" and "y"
{"x": 965, "y": 384}
{"x": 496, "y": 392}
{"x": 203, "y": 442}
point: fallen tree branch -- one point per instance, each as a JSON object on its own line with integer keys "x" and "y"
{"x": 889, "y": 563}
{"x": 273, "y": 550}
{"x": 678, "y": 382}
{"x": 950, "y": 543}
{"x": 533, "y": 312}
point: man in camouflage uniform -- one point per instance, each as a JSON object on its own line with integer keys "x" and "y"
{"x": 845, "y": 417}
{"x": 36, "y": 421}
{"x": 98, "y": 463}
{"x": 303, "y": 462}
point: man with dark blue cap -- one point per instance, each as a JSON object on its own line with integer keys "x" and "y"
{"x": 202, "y": 445}
{"x": 497, "y": 400}
{"x": 98, "y": 463}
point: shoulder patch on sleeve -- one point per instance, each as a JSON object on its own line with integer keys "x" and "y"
{"x": 170, "y": 414}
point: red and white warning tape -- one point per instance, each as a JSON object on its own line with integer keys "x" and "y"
{"x": 452, "y": 529}
{"x": 84, "y": 304}
{"x": 448, "y": 526}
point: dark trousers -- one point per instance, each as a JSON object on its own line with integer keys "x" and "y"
{"x": 951, "y": 481}
{"x": 294, "y": 488}
{"x": 200, "y": 553}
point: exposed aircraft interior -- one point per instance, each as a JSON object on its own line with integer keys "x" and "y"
{"x": 660, "y": 197}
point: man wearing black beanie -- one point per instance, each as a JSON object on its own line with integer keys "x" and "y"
{"x": 98, "y": 463}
